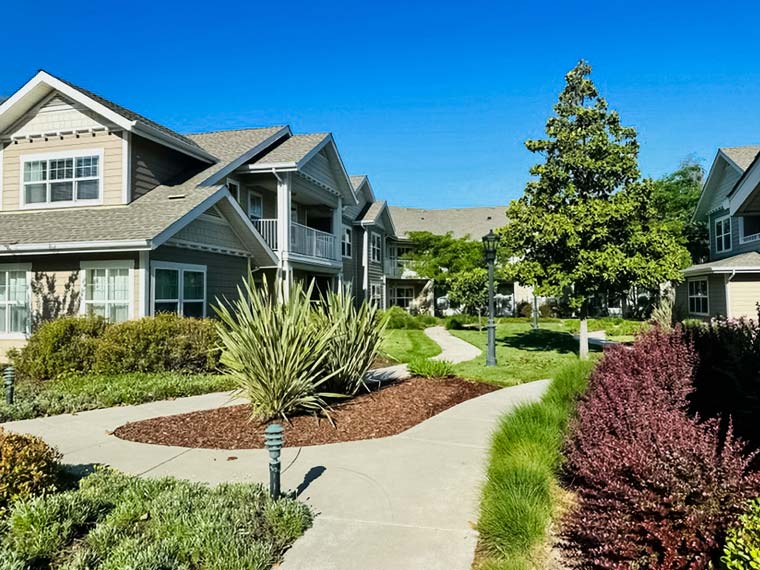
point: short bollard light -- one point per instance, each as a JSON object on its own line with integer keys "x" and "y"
{"x": 9, "y": 376}
{"x": 274, "y": 439}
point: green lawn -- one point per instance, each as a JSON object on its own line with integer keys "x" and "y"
{"x": 403, "y": 345}
{"x": 522, "y": 354}
{"x": 118, "y": 521}
{"x": 76, "y": 393}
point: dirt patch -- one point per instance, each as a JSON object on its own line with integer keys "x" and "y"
{"x": 389, "y": 410}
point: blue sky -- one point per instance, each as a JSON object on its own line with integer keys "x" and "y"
{"x": 433, "y": 100}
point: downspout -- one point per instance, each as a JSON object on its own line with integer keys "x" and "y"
{"x": 728, "y": 296}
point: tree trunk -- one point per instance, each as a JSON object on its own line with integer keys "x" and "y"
{"x": 583, "y": 334}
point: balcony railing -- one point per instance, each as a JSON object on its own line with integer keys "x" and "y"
{"x": 268, "y": 230}
{"x": 303, "y": 239}
{"x": 400, "y": 268}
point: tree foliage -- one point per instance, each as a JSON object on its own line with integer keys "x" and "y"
{"x": 469, "y": 289}
{"x": 441, "y": 257}
{"x": 587, "y": 224}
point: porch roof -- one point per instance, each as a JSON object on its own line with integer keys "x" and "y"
{"x": 743, "y": 263}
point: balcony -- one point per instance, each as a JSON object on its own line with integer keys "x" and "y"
{"x": 303, "y": 239}
{"x": 398, "y": 268}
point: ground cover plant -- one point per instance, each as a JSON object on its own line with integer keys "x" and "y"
{"x": 114, "y": 521}
{"x": 522, "y": 354}
{"x": 742, "y": 550}
{"x": 656, "y": 487}
{"x": 72, "y": 393}
{"x": 428, "y": 368}
{"x": 520, "y": 496}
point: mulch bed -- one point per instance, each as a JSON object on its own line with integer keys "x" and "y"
{"x": 389, "y": 410}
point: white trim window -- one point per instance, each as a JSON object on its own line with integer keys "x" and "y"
{"x": 255, "y": 206}
{"x": 108, "y": 289}
{"x": 699, "y": 297}
{"x": 723, "y": 234}
{"x": 376, "y": 248}
{"x": 345, "y": 242}
{"x": 179, "y": 288}
{"x": 234, "y": 187}
{"x": 62, "y": 179}
{"x": 15, "y": 300}
{"x": 402, "y": 296}
{"x": 376, "y": 293}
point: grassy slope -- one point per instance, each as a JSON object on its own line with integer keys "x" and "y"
{"x": 519, "y": 497}
{"x": 522, "y": 355}
{"x": 77, "y": 393}
{"x": 404, "y": 345}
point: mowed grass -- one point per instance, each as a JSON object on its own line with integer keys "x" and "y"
{"x": 76, "y": 393}
{"x": 521, "y": 492}
{"x": 404, "y": 345}
{"x": 522, "y": 354}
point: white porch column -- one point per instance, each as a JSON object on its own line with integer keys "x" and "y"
{"x": 284, "y": 185}
{"x": 143, "y": 272}
{"x": 365, "y": 262}
{"x": 337, "y": 228}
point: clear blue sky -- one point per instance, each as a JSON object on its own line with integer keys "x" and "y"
{"x": 433, "y": 100}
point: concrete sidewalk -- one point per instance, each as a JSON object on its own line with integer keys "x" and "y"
{"x": 453, "y": 349}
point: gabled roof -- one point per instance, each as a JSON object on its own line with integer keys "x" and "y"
{"x": 743, "y": 263}
{"x": 43, "y": 83}
{"x": 716, "y": 190}
{"x": 741, "y": 156}
{"x": 295, "y": 151}
{"x": 461, "y": 222}
{"x": 360, "y": 182}
{"x": 372, "y": 213}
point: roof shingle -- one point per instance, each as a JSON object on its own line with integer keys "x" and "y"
{"x": 461, "y": 222}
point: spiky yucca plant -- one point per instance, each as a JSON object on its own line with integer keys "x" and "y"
{"x": 275, "y": 350}
{"x": 355, "y": 343}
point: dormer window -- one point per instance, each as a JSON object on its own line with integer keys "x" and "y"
{"x": 723, "y": 234}
{"x": 61, "y": 179}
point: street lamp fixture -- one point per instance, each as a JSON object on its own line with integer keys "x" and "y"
{"x": 490, "y": 241}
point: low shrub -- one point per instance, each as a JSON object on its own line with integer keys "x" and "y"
{"x": 460, "y": 322}
{"x": 546, "y": 311}
{"x": 742, "y": 550}
{"x": 158, "y": 344}
{"x": 727, "y": 378}
{"x": 354, "y": 344}
{"x": 398, "y": 318}
{"x": 655, "y": 486}
{"x": 117, "y": 521}
{"x": 519, "y": 499}
{"x": 60, "y": 346}
{"x": 28, "y": 467}
{"x": 525, "y": 309}
{"x": 429, "y": 368}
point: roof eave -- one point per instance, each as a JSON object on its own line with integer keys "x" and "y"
{"x": 96, "y": 246}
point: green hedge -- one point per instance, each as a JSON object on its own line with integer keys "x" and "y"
{"x": 742, "y": 550}
{"x": 398, "y": 318}
{"x": 89, "y": 344}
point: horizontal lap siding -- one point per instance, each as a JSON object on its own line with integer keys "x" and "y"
{"x": 110, "y": 143}
{"x": 224, "y": 273}
{"x": 319, "y": 168}
{"x": 153, "y": 164}
{"x": 744, "y": 294}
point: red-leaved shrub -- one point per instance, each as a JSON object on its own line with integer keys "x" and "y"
{"x": 656, "y": 487}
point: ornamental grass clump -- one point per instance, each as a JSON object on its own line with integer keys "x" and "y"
{"x": 656, "y": 487}
{"x": 357, "y": 334}
{"x": 275, "y": 350}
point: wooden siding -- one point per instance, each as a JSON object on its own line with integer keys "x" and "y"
{"x": 110, "y": 143}
{"x": 216, "y": 233}
{"x": 55, "y": 115}
{"x": 744, "y": 295}
{"x": 319, "y": 167}
{"x": 736, "y": 229}
{"x": 716, "y": 289}
{"x": 223, "y": 272}
{"x": 153, "y": 164}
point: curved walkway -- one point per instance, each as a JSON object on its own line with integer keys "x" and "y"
{"x": 404, "y": 502}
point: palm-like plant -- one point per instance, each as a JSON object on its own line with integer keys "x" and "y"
{"x": 275, "y": 349}
{"x": 355, "y": 342}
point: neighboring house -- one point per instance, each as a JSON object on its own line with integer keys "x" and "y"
{"x": 728, "y": 283}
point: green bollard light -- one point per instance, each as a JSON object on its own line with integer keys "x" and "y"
{"x": 9, "y": 375}
{"x": 274, "y": 439}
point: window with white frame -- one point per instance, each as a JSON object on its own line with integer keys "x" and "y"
{"x": 14, "y": 300}
{"x": 234, "y": 189}
{"x": 698, "y": 297}
{"x": 255, "y": 206}
{"x": 723, "y": 234}
{"x": 376, "y": 293}
{"x": 402, "y": 296}
{"x": 345, "y": 242}
{"x": 61, "y": 180}
{"x": 107, "y": 289}
{"x": 376, "y": 247}
{"x": 179, "y": 289}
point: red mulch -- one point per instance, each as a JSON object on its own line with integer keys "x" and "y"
{"x": 390, "y": 410}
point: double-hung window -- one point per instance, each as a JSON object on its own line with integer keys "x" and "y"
{"x": 345, "y": 243}
{"x": 723, "y": 234}
{"x": 14, "y": 300}
{"x": 699, "y": 303}
{"x": 376, "y": 293}
{"x": 62, "y": 179}
{"x": 402, "y": 297}
{"x": 179, "y": 289}
{"x": 376, "y": 246}
{"x": 107, "y": 289}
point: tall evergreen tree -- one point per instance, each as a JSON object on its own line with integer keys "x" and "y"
{"x": 587, "y": 224}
